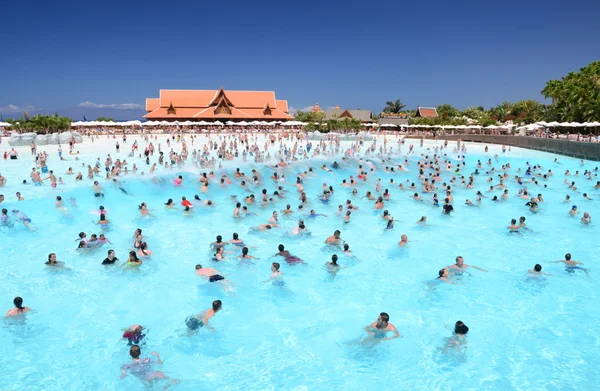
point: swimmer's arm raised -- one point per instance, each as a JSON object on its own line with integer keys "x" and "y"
{"x": 159, "y": 361}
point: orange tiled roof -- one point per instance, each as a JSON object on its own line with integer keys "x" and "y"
{"x": 282, "y": 105}
{"x": 152, "y": 104}
{"x": 316, "y": 108}
{"x": 161, "y": 112}
{"x": 199, "y": 104}
{"x": 427, "y": 112}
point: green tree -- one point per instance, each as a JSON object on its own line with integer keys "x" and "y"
{"x": 576, "y": 96}
{"x": 42, "y": 123}
{"x": 393, "y": 106}
{"x": 105, "y": 119}
{"x": 473, "y": 112}
{"x": 447, "y": 111}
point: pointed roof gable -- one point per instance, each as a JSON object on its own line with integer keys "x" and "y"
{"x": 171, "y": 110}
{"x": 267, "y": 109}
{"x": 346, "y": 114}
{"x": 220, "y": 103}
{"x": 426, "y": 112}
{"x": 220, "y": 97}
{"x": 316, "y": 108}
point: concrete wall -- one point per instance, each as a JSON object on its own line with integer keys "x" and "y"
{"x": 589, "y": 151}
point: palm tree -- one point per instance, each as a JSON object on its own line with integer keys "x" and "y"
{"x": 393, "y": 107}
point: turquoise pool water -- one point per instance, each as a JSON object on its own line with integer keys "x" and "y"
{"x": 527, "y": 334}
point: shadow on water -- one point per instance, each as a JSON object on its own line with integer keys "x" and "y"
{"x": 22, "y": 330}
{"x": 452, "y": 352}
{"x": 366, "y": 351}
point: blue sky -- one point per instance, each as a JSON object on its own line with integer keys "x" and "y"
{"x": 355, "y": 54}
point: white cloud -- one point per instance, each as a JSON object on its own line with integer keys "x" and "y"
{"x": 304, "y": 109}
{"x": 12, "y": 107}
{"x": 124, "y": 106}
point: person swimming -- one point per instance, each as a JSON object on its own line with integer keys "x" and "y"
{"x": 289, "y": 258}
{"x": 142, "y": 367}
{"x": 201, "y": 320}
{"x": 134, "y": 334}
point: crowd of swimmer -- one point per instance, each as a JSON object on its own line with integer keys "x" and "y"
{"x": 430, "y": 169}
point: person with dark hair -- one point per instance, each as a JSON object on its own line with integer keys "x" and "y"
{"x": 334, "y": 239}
{"x": 142, "y": 367}
{"x": 19, "y": 309}
{"x": 5, "y": 219}
{"x": 537, "y": 271}
{"x": 219, "y": 242}
{"x": 447, "y": 208}
{"x": 111, "y": 258}
{"x": 52, "y": 261}
{"x": 379, "y": 328}
{"x": 460, "y": 329}
{"x": 289, "y": 258}
{"x": 570, "y": 265}
{"x": 245, "y": 254}
{"x": 133, "y": 260}
{"x": 213, "y": 275}
{"x": 276, "y": 275}
{"x": 236, "y": 241}
{"x": 201, "y": 319}
{"x": 144, "y": 251}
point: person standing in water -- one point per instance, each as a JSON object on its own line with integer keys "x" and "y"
{"x": 19, "y": 309}
{"x": 381, "y": 327}
{"x": 201, "y": 319}
{"x": 276, "y": 275}
{"x": 460, "y": 266}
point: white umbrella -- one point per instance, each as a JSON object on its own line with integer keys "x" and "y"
{"x": 388, "y": 125}
{"x": 6, "y": 124}
{"x": 218, "y": 123}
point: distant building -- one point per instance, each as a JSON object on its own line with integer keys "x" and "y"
{"x": 426, "y": 112}
{"x": 212, "y": 105}
{"x": 337, "y": 113}
{"x": 394, "y": 119}
{"x": 316, "y": 108}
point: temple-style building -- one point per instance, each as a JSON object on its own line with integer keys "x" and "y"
{"x": 212, "y": 105}
{"x": 426, "y": 112}
{"x": 338, "y": 113}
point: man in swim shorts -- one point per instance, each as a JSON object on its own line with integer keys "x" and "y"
{"x": 571, "y": 266}
{"x": 22, "y": 218}
{"x": 200, "y": 320}
{"x": 213, "y": 275}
